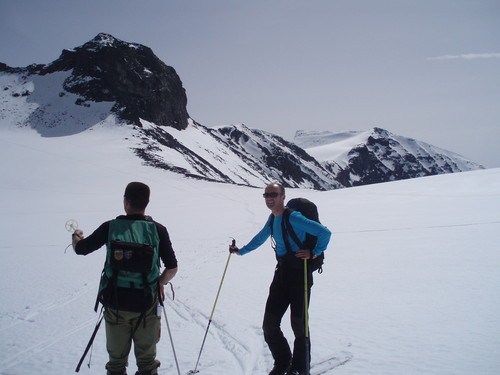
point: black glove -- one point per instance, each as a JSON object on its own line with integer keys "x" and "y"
{"x": 232, "y": 248}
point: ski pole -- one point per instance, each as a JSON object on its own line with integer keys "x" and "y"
{"x": 212, "y": 314}
{"x": 306, "y": 318}
{"x": 170, "y": 336}
{"x": 90, "y": 343}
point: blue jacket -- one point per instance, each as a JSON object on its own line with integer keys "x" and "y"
{"x": 301, "y": 226}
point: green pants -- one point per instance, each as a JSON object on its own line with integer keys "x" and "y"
{"x": 119, "y": 328}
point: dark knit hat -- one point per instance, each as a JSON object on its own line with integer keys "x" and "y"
{"x": 137, "y": 194}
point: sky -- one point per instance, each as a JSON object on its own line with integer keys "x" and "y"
{"x": 426, "y": 69}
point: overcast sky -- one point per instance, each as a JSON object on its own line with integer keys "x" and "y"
{"x": 427, "y": 69}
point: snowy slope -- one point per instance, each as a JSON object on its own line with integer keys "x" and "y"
{"x": 233, "y": 154}
{"x": 377, "y": 155}
{"x": 410, "y": 286}
{"x": 40, "y": 103}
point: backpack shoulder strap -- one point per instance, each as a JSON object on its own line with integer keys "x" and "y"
{"x": 284, "y": 230}
{"x": 290, "y": 230}
{"x": 271, "y": 223}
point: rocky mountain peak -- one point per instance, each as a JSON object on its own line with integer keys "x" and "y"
{"x": 106, "y": 69}
{"x": 105, "y": 40}
{"x": 380, "y": 133}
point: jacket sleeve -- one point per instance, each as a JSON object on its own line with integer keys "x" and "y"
{"x": 165, "y": 250}
{"x": 258, "y": 240}
{"x": 93, "y": 242}
{"x": 300, "y": 222}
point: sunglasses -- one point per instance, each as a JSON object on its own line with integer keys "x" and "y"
{"x": 270, "y": 195}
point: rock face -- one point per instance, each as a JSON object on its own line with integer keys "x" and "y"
{"x": 377, "y": 155}
{"x": 231, "y": 154}
{"x": 276, "y": 158}
{"x": 107, "y": 69}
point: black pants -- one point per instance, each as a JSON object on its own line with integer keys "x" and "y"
{"x": 287, "y": 289}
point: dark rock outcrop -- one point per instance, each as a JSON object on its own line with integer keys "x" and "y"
{"x": 107, "y": 69}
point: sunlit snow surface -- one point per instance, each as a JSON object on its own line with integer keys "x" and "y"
{"x": 410, "y": 284}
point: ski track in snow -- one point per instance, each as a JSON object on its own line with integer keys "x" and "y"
{"x": 43, "y": 345}
{"x": 394, "y": 229}
{"x": 30, "y": 314}
{"x": 238, "y": 350}
{"x": 327, "y": 365}
{"x": 26, "y": 320}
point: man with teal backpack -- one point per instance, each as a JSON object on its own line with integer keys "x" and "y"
{"x": 131, "y": 283}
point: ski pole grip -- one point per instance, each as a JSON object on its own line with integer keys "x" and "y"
{"x": 232, "y": 247}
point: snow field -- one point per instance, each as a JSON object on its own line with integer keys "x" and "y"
{"x": 410, "y": 285}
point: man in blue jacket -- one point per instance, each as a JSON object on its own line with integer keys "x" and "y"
{"x": 287, "y": 287}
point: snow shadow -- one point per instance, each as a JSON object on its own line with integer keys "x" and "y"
{"x": 59, "y": 113}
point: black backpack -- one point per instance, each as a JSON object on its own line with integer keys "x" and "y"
{"x": 310, "y": 211}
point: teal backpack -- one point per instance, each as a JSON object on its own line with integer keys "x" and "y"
{"x": 129, "y": 280}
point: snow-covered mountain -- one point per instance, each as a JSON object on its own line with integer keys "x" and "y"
{"x": 377, "y": 155}
{"x": 106, "y": 69}
{"x": 233, "y": 154}
{"x": 110, "y": 82}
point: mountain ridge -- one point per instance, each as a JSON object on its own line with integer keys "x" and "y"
{"x": 108, "y": 80}
{"x": 377, "y": 154}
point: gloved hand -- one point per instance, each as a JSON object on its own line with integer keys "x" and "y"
{"x": 76, "y": 236}
{"x": 304, "y": 254}
{"x": 232, "y": 248}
